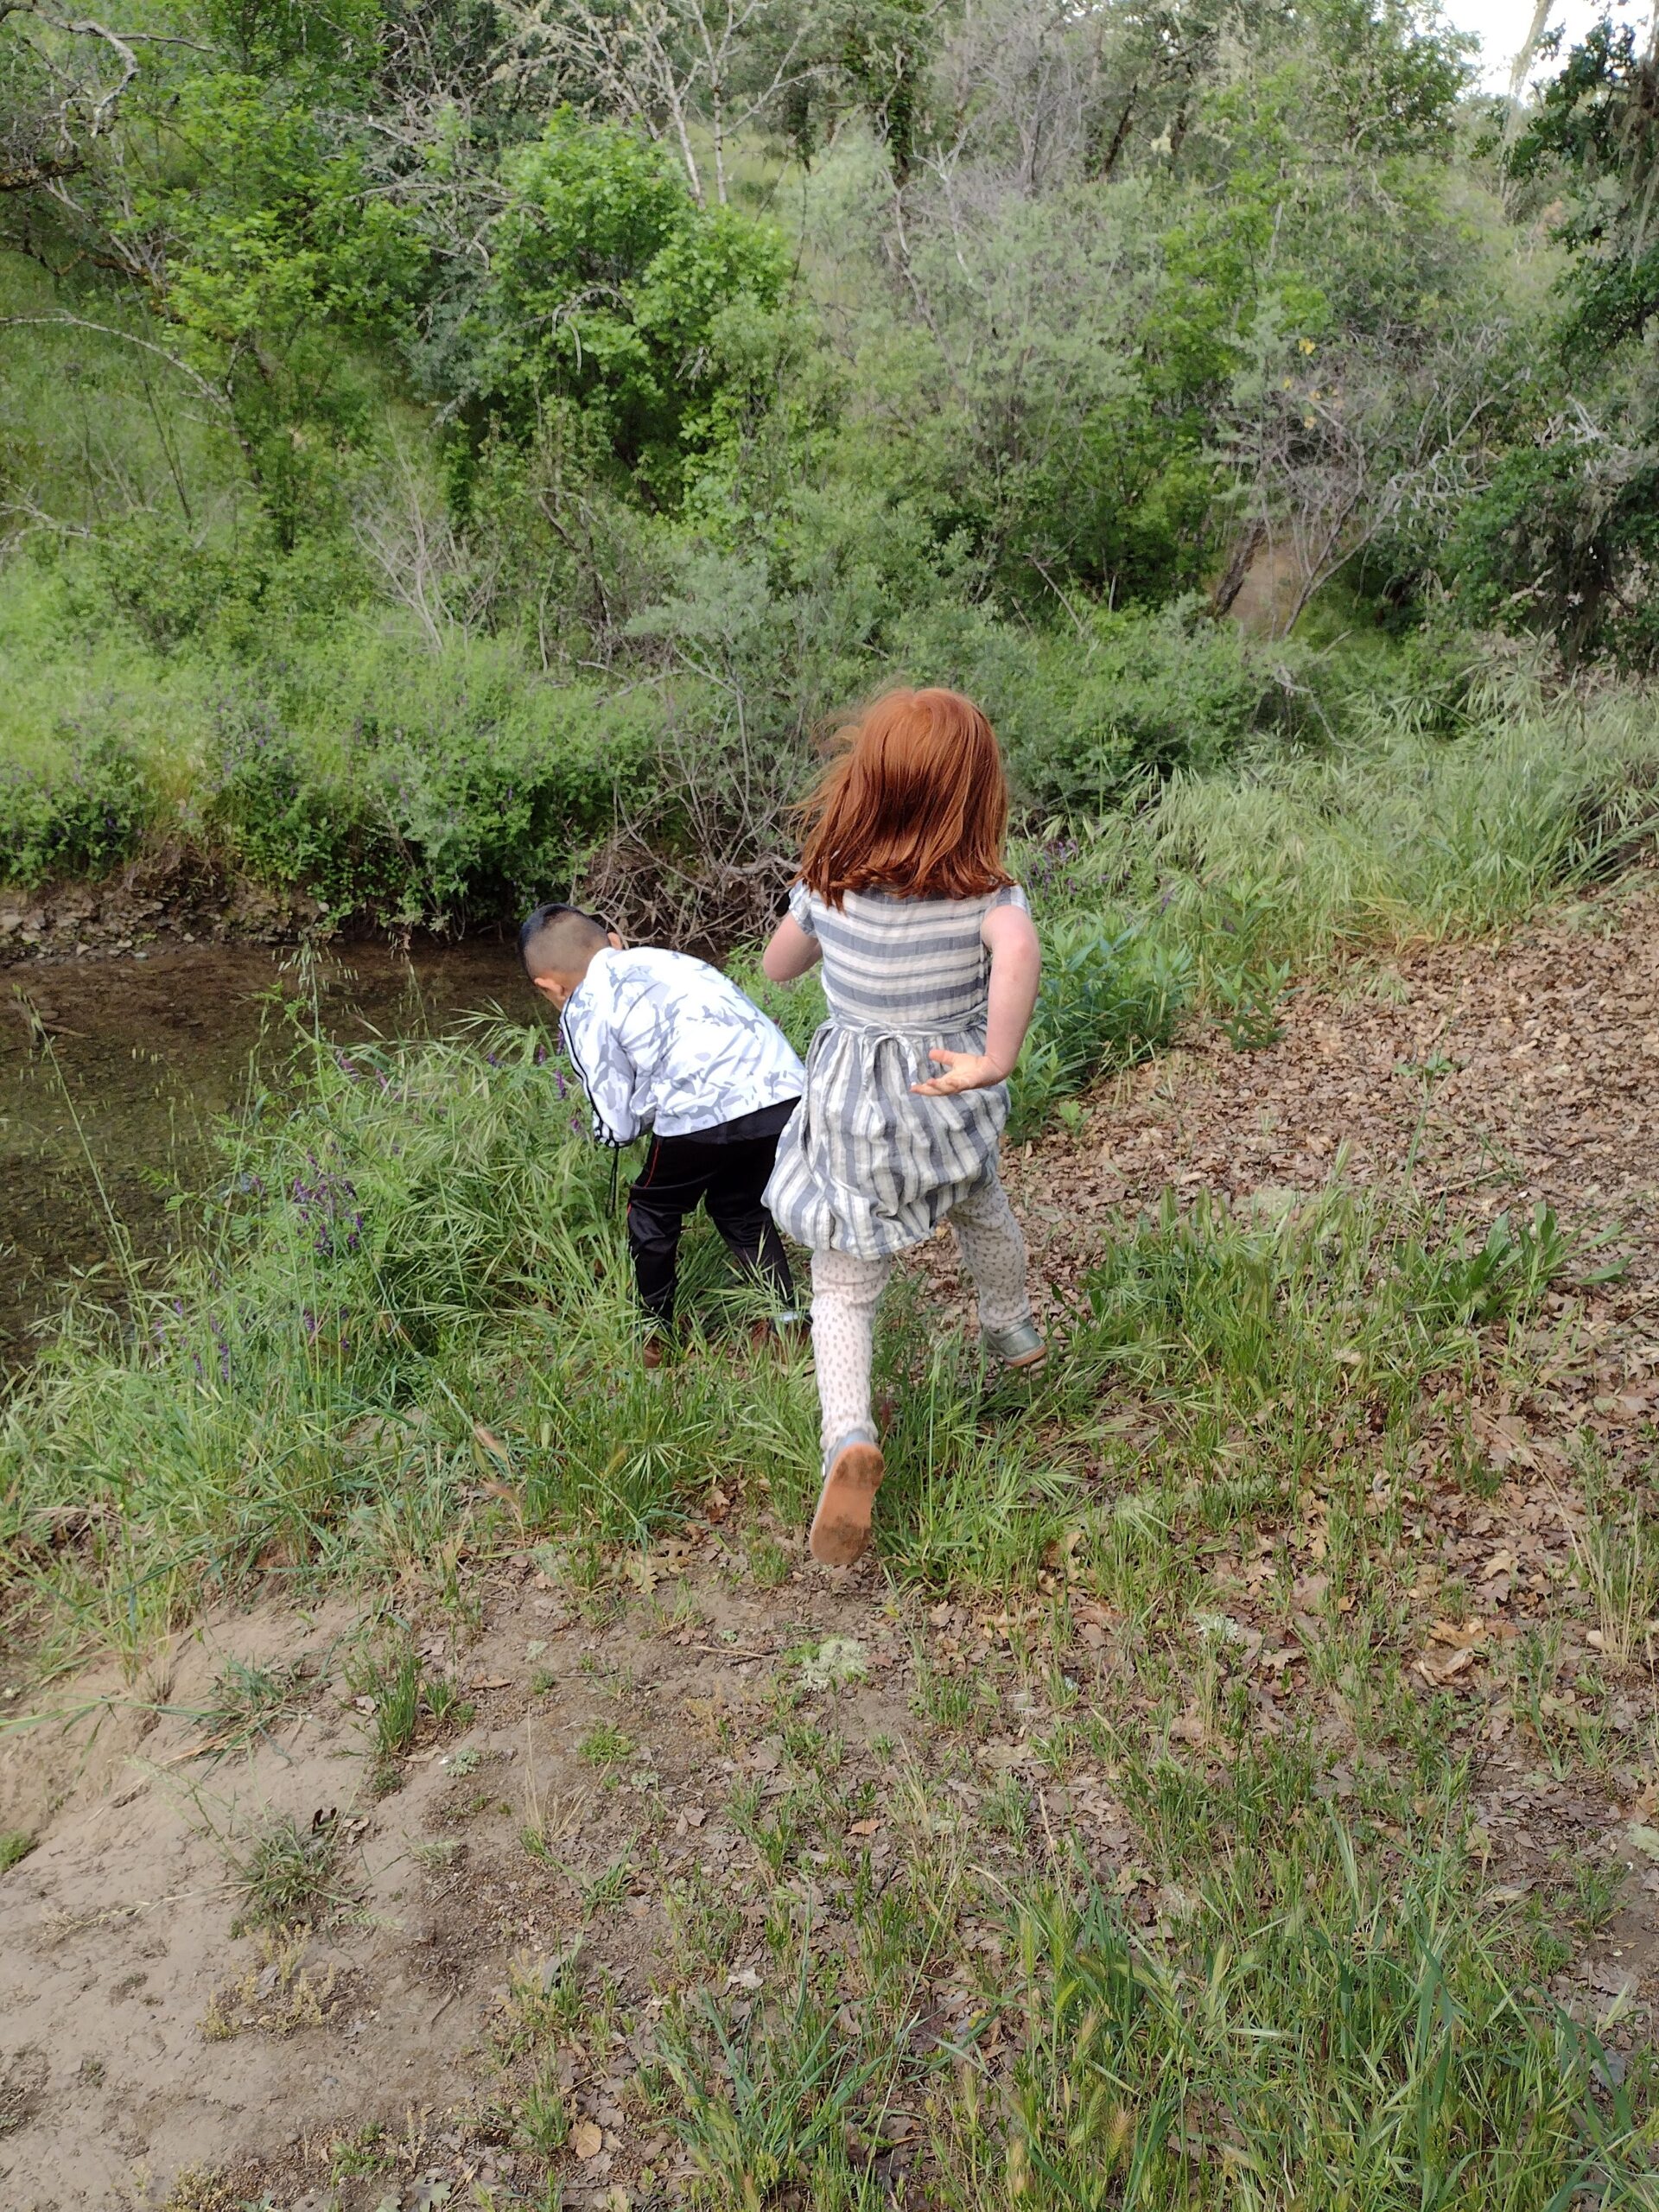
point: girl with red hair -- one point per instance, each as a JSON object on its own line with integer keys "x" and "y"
{"x": 930, "y": 971}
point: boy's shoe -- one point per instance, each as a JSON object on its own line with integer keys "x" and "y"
{"x": 655, "y": 1354}
{"x": 852, "y": 1474}
{"x": 1021, "y": 1346}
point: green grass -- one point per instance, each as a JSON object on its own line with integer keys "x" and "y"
{"x": 605, "y": 1745}
{"x": 423, "y": 1244}
{"x": 1399, "y": 838}
{"x": 248, "y": 1699}
{"x": 1290, "y": 2002}
{"x": 289, "y": 1873}
{"x": 1326, "y": 2010}
{"x": 1310, "y": 2034}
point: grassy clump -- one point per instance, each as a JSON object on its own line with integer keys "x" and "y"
{"x": 1107, "y": 1000}
{"x": 1400, "y": 838}
{"x": 289, "y": 1874}
{"x": 1321, "y": 2009}
{"x": 405, "y": 1697}
{"x": 248, "y": 1699}
{"x": 1312, "y": 2034}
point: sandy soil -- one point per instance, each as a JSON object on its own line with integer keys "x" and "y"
{"x": 121, "y": 1923}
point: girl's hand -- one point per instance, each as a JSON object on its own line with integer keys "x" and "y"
{"x": 962, "y": 1071}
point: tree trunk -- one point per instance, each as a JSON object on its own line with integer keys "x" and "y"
{"x": 1120, "y": 135}
{"x": 1232, "y": 581}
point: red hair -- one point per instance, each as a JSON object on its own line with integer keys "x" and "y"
{"x": 915, "y": 803}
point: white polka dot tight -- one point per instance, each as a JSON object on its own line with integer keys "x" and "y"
{"x": 845, "y": 1290}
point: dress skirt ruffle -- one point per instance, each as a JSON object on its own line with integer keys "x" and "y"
{"x": 864, "y": 1164}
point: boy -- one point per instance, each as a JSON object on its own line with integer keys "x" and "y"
{"x": 666, "y": 1043}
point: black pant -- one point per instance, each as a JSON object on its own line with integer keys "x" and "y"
{"x": 728, "y": 1178}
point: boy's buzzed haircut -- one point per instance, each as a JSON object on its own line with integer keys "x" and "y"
{"x": 558, "y": 940}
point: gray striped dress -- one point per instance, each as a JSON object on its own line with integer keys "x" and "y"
{"x": 865, "y": 1165}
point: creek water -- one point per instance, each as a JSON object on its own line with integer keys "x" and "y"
{"x": 113, "y": 1073}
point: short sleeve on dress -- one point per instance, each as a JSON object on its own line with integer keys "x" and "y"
{"x": 800, "y": 907}
{"x": 1010, "y": 895}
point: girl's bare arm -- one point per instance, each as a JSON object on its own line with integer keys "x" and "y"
{"x": 1016, "y": 969}
{"x": 790, "y": 953}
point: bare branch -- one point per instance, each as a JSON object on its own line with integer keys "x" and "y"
{"x": 669, "y": 66}
{"x": 210, "y": 392}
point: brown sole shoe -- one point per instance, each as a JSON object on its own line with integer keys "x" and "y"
{"x": 841, "y": 1527}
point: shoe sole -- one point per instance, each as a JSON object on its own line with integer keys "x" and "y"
{"x": 1028, "y": 1359}
{"x": 841, "y": 1527}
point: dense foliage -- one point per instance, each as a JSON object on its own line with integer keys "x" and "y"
{"x": 452, "y": 452}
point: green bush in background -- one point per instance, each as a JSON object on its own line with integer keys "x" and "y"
{"x": 83, "y": 815}
{"x": 1107, "y": 1000}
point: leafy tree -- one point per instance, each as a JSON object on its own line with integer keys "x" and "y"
{"x": 612, "y": 290}
{"x": 884, "y": 49}
{"x": 1564, "y": 541}
{"x": 334, "y": 42}
{"x": 1597, "y": 129}
{"x": 273, "y": 253}
{"x": 241, "y": 241}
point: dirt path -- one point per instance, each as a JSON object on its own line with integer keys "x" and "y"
{"x": 580, "y": 1823}
{"x": 1497, "y": 1076}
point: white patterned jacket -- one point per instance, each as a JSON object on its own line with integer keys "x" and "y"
{"x": 667, "y": 1043}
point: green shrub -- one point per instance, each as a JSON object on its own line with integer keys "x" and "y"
{"x": 493, "y": 808}
{"x": 409, "y": 786}
{"x": 289, "y": 824}
{"x": 1561, "y": 543}
{"x": 1086, "y": 718}
{"x": 1107, "y": 1001}
{"x": 1158, "y": 691}
{"x": 170, "y": 586}
{"x": 610, "y": 286}
{"x": 78, "y": 818}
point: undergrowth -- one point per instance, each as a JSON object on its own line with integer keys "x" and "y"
{"x": 419, "y": 1253}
